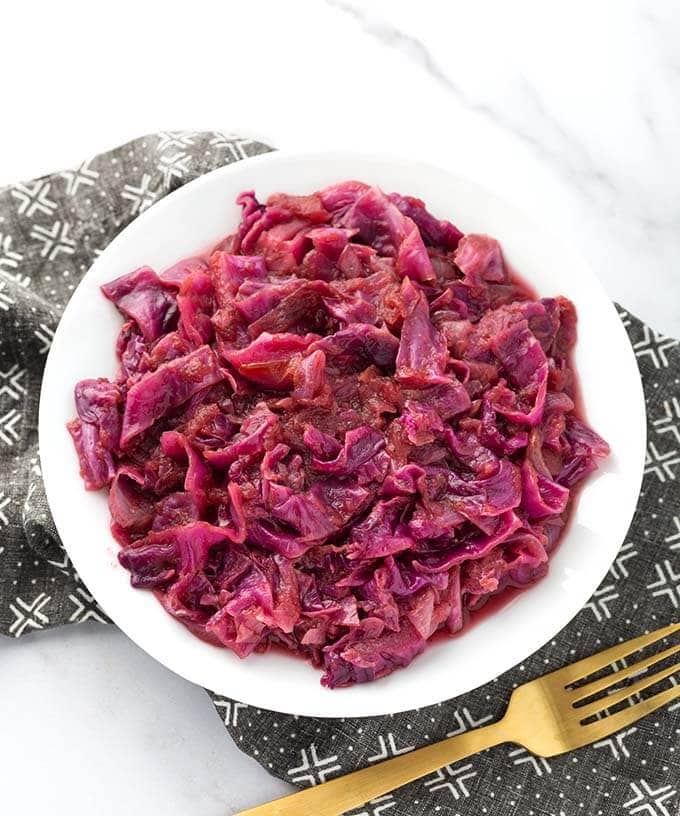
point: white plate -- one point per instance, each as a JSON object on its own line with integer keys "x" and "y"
{"x": 191, "y": 220}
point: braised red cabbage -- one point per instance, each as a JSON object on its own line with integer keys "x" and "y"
{"x": 338, "y": 433}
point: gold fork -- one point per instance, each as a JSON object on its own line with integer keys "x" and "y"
{"x": 542, "y": 716}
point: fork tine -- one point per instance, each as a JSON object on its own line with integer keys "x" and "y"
{"x": 624, "y": 693}
{"x": 615, "y": 722}
{"x": 589, "y": 665}
{"x": 611, "y": 679}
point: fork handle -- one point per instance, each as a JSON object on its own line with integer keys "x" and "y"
{"x": 346, "y": 792}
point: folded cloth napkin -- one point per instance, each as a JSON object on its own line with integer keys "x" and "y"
{"x": 51, "y": 229}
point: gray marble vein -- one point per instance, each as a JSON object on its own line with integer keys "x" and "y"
{"x": 582, "y": 168}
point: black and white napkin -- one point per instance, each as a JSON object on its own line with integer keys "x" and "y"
{"x": 51, "y": 229}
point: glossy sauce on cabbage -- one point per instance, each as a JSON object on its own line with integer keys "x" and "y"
{"x": 337, "y": 433}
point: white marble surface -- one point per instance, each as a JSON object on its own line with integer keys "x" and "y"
{"x": 571, "y": 109}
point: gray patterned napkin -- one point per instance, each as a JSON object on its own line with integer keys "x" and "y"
{"x": 51, "y": 229}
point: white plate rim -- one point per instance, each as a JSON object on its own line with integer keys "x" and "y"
{"x": 359, "y": 701}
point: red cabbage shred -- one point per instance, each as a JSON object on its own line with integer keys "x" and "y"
{"x": 337, "y": 433}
